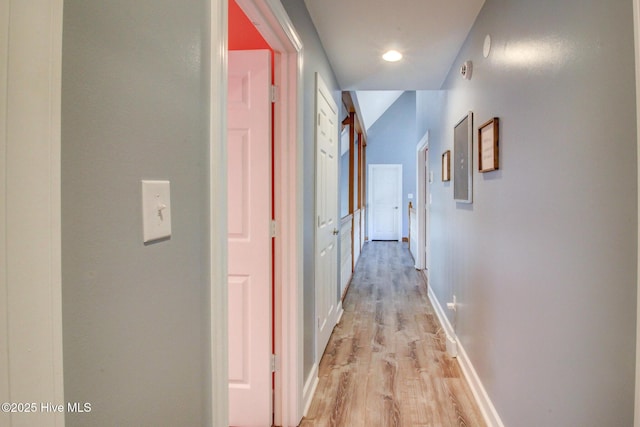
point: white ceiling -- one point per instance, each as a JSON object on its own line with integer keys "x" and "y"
{"x": 429, "y": 33}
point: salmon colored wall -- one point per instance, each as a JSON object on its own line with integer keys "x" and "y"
{"x": 243, "y": 35}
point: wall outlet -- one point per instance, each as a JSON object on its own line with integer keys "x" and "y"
{"x": 453, "y": 305}
{"x": 452, "y": 346}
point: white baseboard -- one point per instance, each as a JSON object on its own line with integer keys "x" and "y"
{"x": 444, "y": 321}
{"x": 309, "y": 389}
{"x": 340, "y": 312}
{"x": 489, "y": 412}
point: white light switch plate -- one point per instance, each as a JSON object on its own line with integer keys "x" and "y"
{"x": 156, "y": 210}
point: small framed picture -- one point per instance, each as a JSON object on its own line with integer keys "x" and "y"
{"x": 488, "y": 146}
{"x": 446, "y": 166}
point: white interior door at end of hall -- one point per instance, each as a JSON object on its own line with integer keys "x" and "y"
{"x": 386, "y": 205}
{"x": 327, "y": 214}
{"x": 249, "y": 238}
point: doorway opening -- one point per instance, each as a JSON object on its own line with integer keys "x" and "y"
{"x": 272, "y": 23}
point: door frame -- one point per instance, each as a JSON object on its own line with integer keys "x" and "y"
{"x": 274, "y": 25}
{"x": 422, "y": 199}
{"x": 370, "y": 175}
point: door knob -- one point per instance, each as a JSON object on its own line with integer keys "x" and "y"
{"x": 335, "y": 231}
{"x": 395, "y": 207}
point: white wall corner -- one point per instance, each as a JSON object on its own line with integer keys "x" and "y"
{"x": 487, "y": 409}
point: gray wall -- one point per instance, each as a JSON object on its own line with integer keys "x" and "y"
{"x": 543, "y": 263}
{"x": 135, "y": 344}
{"x": 392, "y": 140}
{"x": 429, "y": 111}
{"x": 315, "y": 60}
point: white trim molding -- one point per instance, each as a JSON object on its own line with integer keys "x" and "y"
{"x": 218, "y": 300}
{"x": 487, "y": 409}
{"x": 30, "y": 223}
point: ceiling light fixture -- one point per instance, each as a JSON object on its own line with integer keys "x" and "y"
{"x": 392, "y": 56}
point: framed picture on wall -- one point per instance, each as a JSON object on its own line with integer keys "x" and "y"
{"x": 488, "y": 146}
{"x": 463, "y": 160}
{"x": 446, "y": 166}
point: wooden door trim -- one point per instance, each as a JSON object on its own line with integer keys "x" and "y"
{"x": 364, "y": 187}
{"x": 352, "y": 148}
{"x": 361, "y": 148}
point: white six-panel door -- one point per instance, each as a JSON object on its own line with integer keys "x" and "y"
{"x": 326, "y": 215}
{"x": 385, "y": 202}
{"x": 249, "y": 237}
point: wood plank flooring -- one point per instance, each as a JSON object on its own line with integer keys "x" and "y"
{"x": 386, "y": 363}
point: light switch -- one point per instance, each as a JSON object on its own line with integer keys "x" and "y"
{"x": 410, "y": 196}
{"x": 156, "y": 210}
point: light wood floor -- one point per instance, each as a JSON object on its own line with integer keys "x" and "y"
{"x": 386, "y": 362}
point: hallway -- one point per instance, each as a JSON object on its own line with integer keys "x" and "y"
{"x": 386, "y": 362}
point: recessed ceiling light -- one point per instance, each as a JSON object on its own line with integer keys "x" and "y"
{"x": 392, "y": 56}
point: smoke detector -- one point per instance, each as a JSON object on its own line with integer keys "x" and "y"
{"x": 466, "y": 70}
